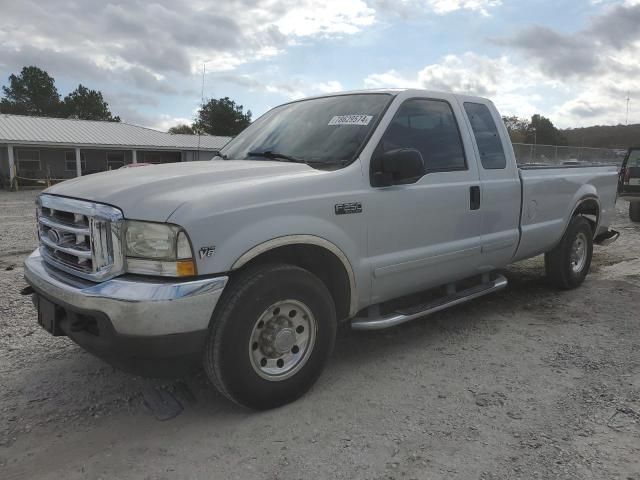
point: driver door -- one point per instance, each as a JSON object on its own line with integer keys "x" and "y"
{"x": 426, "y": 233}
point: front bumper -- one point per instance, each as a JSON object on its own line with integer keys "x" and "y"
{"x": 129, "y": 316}
{"x": 135, "y": 305}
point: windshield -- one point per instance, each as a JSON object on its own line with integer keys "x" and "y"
{"x": 328, "y": 130}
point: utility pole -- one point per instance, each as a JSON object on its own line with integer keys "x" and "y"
{"x": 628, "y": 100}
{"x": 535, "y": 141}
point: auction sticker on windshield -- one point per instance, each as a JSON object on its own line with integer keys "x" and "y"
{"x": 350, "y": 120}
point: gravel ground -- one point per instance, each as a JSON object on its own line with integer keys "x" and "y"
{"x": 526, "y": 383}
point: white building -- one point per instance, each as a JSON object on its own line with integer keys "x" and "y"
{"x": 36, "y": 148}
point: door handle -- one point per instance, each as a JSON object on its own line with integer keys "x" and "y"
{"x": 474, "y": 197}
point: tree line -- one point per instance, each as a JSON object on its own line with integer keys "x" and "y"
{"x": 605, "y": 136}
{"x": 33, "y": 92}
{"x": 539, "y": 130}
{"x": 222, "y": 117}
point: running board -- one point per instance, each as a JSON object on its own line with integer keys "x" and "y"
{"x": 606, "y": 238}
{"x": 405, "y": 315}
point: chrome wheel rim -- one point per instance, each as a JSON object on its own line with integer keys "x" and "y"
{"x": 578, "y": 255}
{"x": 282, "y": 340}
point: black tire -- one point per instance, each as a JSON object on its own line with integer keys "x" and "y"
{"x": 634, "y": 211}
{"x": 558, "y": 262}
{"x": 227, "y": 357}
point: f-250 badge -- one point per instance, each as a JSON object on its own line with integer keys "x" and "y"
{"x": 348, "y": 208}
{"x": 207, "y": 252}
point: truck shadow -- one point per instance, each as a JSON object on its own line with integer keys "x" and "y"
{"x": 83, "y": 387}
{"x": 355, "y": 350}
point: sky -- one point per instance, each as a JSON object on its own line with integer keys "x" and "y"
{"x": 573, "y": 61}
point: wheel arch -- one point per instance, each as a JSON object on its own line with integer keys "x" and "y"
{"x": 588, "y": 206}
{"x": 316, "y": 254}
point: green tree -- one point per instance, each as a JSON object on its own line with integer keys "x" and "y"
{"x": 87, "y": 104}
{"x": 604, "y": 136}
{"x": 182, "y": 128}
{"x": 222, "y": 117}
{"x": 517, "y": 128}
{"x": 542, "y": 131}
{"x": 32, "y": 92}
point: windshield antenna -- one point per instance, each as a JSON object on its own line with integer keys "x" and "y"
{"x": 204, "y": 66}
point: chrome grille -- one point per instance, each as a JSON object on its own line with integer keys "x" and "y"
{"x": 80, "y": 237}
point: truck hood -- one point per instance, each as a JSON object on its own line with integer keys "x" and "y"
{"x": 154, "y": 192}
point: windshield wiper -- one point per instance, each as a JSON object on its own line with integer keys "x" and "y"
{"x": 271, "y": 155}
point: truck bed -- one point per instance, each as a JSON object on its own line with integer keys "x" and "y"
{"x": 549, "y": 195}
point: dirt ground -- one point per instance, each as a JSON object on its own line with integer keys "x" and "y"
{"x": 526, "y": 383}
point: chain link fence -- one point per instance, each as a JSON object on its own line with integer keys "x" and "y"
{"x": 557, "y": 155}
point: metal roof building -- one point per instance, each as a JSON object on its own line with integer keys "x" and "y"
{"x": 56, "y": 148}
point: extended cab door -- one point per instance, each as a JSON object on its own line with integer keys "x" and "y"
{"x": 426, "y": 232}
{"x": 499, "y": 183}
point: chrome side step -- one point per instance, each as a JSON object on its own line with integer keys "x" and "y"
{"x": 606, "y": 238}
{"x": 401, "y": 316}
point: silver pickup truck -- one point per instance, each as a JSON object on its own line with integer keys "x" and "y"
{"x": 373, "y": 207}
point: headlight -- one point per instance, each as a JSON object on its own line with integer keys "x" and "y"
{"x": 158, "y": 249}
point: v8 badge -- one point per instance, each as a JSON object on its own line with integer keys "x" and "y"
{"x": 207, "y": 252}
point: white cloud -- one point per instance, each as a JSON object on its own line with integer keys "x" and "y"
{"x": 390, "y": 79}
{"x": 295, "y": 89}
{"x": 448, "y": 6}
{"x": 166, "y": 38}
{"x": 577, "y": 78}
{"x": 596, "y": 67}
{"x": 327, "y": 87}
{"x": 165, "y": 122}
{"x": 497, "y": 78}
{"x": 331, "y": 17}
{"x": 290, "y": 89}
{"x": 409, "y": 8}
{"x": 601, "y": 101}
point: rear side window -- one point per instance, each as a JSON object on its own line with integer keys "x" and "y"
{"x": 429, "y": 127}
{"x": 487, "y": 137}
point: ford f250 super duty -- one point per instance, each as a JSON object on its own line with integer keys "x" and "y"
{"x": 374, "y": 207}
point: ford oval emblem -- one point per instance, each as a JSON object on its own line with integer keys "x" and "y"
{"x": 53, "y": 236}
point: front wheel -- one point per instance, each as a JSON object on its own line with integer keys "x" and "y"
{"x": 271, "y": 336}
{"x": 567, "y": 265}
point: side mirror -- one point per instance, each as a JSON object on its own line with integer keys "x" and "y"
{"x": 398, "y": 167}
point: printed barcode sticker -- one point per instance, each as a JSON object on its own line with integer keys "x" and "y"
{"x": 350, "y": 120}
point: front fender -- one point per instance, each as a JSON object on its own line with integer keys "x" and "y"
{"x": 305, "y": 240}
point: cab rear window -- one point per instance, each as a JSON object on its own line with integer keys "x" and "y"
{"x": 487, "y": 136}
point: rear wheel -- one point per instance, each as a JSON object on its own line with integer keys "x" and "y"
{"x": 271, "y": 336}
{"x": 634, "y": 211}
{"x": 568, "y": 263}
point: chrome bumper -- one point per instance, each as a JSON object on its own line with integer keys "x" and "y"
{"x": 134, "y": 306}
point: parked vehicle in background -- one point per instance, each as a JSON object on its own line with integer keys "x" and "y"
{"x": 374, "y": 207}
{"x": 629, "y": 185}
